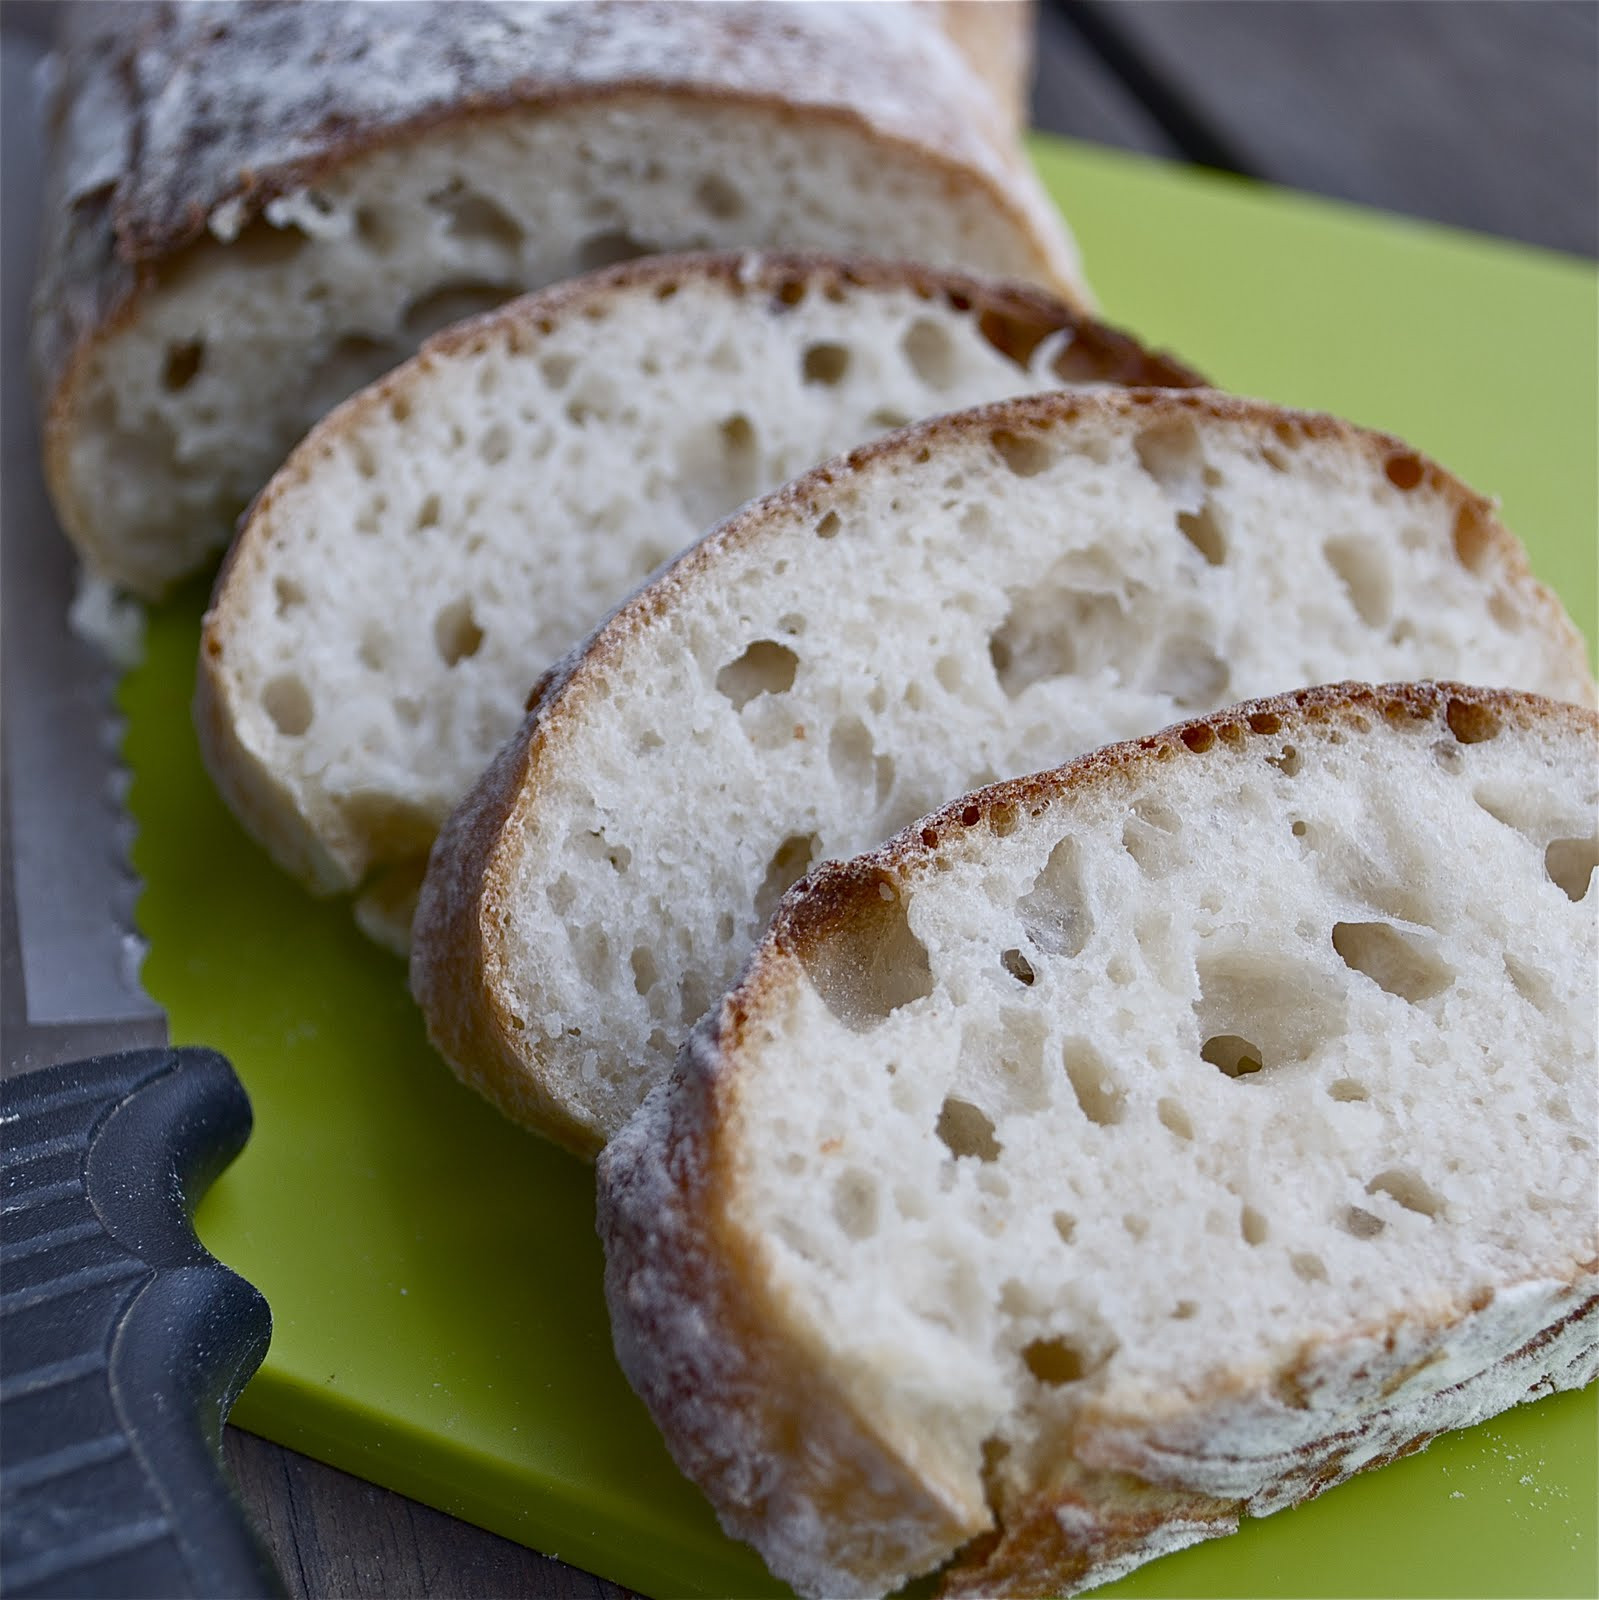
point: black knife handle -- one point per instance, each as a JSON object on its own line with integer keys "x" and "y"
{"x": 123, "y": 1343}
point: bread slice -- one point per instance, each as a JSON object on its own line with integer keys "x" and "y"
{"x": 433, "y": 545}
{"x": 1125, "y": 1149}
{"x": 259, "y": 208}
{"x": 975, "y": 596}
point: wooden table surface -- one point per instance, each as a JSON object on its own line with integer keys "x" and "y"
{"x": 1479, "y": 113}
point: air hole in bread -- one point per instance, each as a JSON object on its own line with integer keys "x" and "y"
{"x": 1170, "y": 452}
{"x": 1403, "y": 470}
{"x": 1137, "y": 1227}
{"x": 1407, "y": 1189}
{"x": 1395, "y": 961}
{"x": 1184, "y": 1310}
{"x": 869, "y": 967}
{"x": 1025, "y": 454}
{"x": 1308, "y": 1267}
{"x": 1055, "y": 629}
{"x": 473, "y": 218}
{"x": 849, "y": 754}
{"x": 825, "y": 364}
{"x": 592, "y": 949}
{"x": 1287, "y": 761}
{"x": 287, "y": 701}
{"x": 262, "y": 244}
{"x": 693, "y": 998}
{"x": 288, "y": 594}
{"x": 886, "y": 418}
{"x": 1300, "y": 828}
{"x": 855, "y": 1203}
{"x": 1232, "y": 1054}
{"x": 427, "y": 515}
{"x": 1192, "y": 673}
{"x": 1252, "y": 1225}
{"x": 1150, "y": 837}
{"x": 1469, "y": 722}
{"x": 1054, "y": 1361}
{"x": 766, "y": 667}
{"x": 1529, "y": 983}
{"x": 931, "y": 352}
{"x": 966, "y": 1130}
{"x": 883, "y": 779}
{"x": 1100, "y": 1096}
{"x": 495, "y": 445}
{"x": 606, "y": 249}
{"x": 1348, "y": 1089}
{"x": 1019, "y": 967}
{"x": 1054, "y": 912}
{"x": 718, "y": 198}
{"x": 645, "y": 973}
{"x": 950, "y": 673}
{"x": 790, "y": 862}
{"x": 1570, "y": 864}
{"x": 1359, "y": 1223}
{"x": 452, "y": 302}
{"x": 456, "y": 633}
{"x": 1174, "y": 1118}
{"x": 1473, "y": 539}
{"x": 182, "y": 364}
{"x": 1201, "y": 529}
{"x": 827, "y": 527}
{"x": 1065, "y": 1225}
{"x": 1366, "y": 576}
{"x": 556, "y": 368}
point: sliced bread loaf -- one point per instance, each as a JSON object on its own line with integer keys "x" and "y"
{"x": 259, "y": 208}
{"x": 1129, "y": 1148}
{"x": 978, "y": 595}
{"x": 434, "y": 544}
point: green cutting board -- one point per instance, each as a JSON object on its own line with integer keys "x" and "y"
{"x": 433, "y": 1273}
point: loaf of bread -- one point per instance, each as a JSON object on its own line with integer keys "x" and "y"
{"x": 980, "y": 595}
{"x": 441, "y": 539}
{"x": 1127, "y": 1149}
{"x": 258, "y": 208}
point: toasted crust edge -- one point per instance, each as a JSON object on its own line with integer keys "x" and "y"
{"x": 465, "y": 882}
{"x": 1014, "y": 317}
{"x": 1125, "y": 1499}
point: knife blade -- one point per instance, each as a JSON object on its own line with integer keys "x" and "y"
{"x": 123, "y": 1343}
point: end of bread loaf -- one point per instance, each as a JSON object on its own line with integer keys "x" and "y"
{"x": 1133, "y": 1147}
{"x": 233, "y": 258}
{"x": 979, "y": 595}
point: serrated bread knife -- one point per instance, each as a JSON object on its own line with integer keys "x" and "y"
{"x": 122, "y": 1342}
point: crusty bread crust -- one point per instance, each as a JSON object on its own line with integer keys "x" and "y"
{"x": 459, "y": 973}
{"x": 1015, "y": 318}
{"x": 166, "y": 127}
{"x": 693, "y": 1293}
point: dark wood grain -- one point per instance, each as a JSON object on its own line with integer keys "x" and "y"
{"x": 334, "y": 1535}
{"x": 1480, "y": 113}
